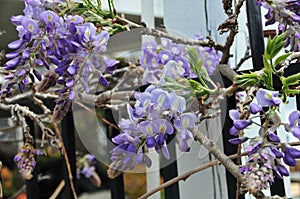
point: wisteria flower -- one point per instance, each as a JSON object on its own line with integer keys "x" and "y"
{"x": 294, "y": 123}
{"x": 290, "y": 154}
{"x": 267, "y": 98}
{"x": 254, "y": 108}
{"x": 182, "y": 125}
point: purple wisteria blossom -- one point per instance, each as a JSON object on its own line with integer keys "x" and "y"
{"x": 267, "y": 98}
{"x": 294, "y": 124}
{"x": 157, "y": 115}
{"x": 67, "y": 45}
{"x": 26, "y": 160}
{"x": 286, "y": 13}
{"x": 168, "y": 59}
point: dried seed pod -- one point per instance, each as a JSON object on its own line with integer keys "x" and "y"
{"x": 48, "y": 81}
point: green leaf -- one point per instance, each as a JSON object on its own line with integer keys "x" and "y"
{"x": 277, "y": 48}
{"x": 291, "y": 80}
{"x": 245, "y": 80}
{"x": 282, "y": 58}
{"x": 197, "y": 66}
{"x": 268, "y": 79}
{"x": 268, "y": 49}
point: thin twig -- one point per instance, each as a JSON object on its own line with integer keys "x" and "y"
{"x": 98, "y": 116}
{"x": 130, "y": 23}
{"x": 58, "y": 190}
{"x": 231, "y": 36}
{"x": 189, "y": 173}
{"x": 158, "y": 33}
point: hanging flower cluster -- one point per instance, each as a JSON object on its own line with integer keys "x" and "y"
{"x": 156, "y": 57}
{"x": 286, "y": 13}
{"x": 265, "y": 159}
{"x": 157, "y": 115}
{"x": 62, "y": 43}
{"x": 26, "y": 160}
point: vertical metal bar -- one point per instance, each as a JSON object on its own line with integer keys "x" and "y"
{"x": 255, "y": 33}
{"x": 68, "y": 135}
{"x": 170, "y": 171}
{"x": 32, "y": 186}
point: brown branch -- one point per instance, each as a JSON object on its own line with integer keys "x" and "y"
{"x": 179, "y": 178}
{"x": 98, "y": 116}
{"x": 214, "y": 149}
{"x": 189, "y": 173}
{"x": 227, "y": 71}
{"x": 205, "y": 43}
{"x": 231, "y": 36}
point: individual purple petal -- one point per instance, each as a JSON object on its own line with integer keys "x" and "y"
{"x": 164, "y": 126}
{"x": 139, "y": 157}
{"x": 11, "y": 64}
{"x": 160, "y": 139}
{"x": 25, "y": 80}
{"x": 22, "y": 72}
{"x": 273, "y": 137}
{"x": 147, "y": 160}
{"x": 161, "y": 97}
{"x": 76, "y": 19}
{"x": 178, "y": 103}
{"x": 31, "y": 26}
{"x": 26, "y": 54}
{"x": 234, "y": 131}
{"x": 131, "y": 148}
{"x": 295, "y": 153}
{"x": 296, "y": 131}
{"x": 39, "y": 62}
{"x": 186, "y": 120}
{"x": 150, "y": 141}
{"x": 238, "y": 140}
{"x": 289, "y": 160}
{"x": 283, "y": 170}
{"x": 71, "y": 95}
{"x": 148, "y": 127}
{"x": 49, "y": 16}
{"x": 103, "y": 81}
{"x": 183, "y": 145}
{"x": 294, "y": 117}
{"x": 255, "y": 108}
{"x": 241, "y": 124}
{"x": 15, "y": 44}
{"x": 22, "y": 88}
{"x": 165, "y": 152}
{"x": 277, "y": 153}
{"x": 12, "y": 55}
{"x": 37, "y": 74}
{"x": 121, "y": 138}
{"x": 70, "y": 82}
{"x": 72, "y": 69}
{"x": 234, "y": 114}
{"x": 9, "y": 76}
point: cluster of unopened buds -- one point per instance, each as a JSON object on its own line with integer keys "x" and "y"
{"x": 25, "y": 160}
{"x": 266, "y": 153}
